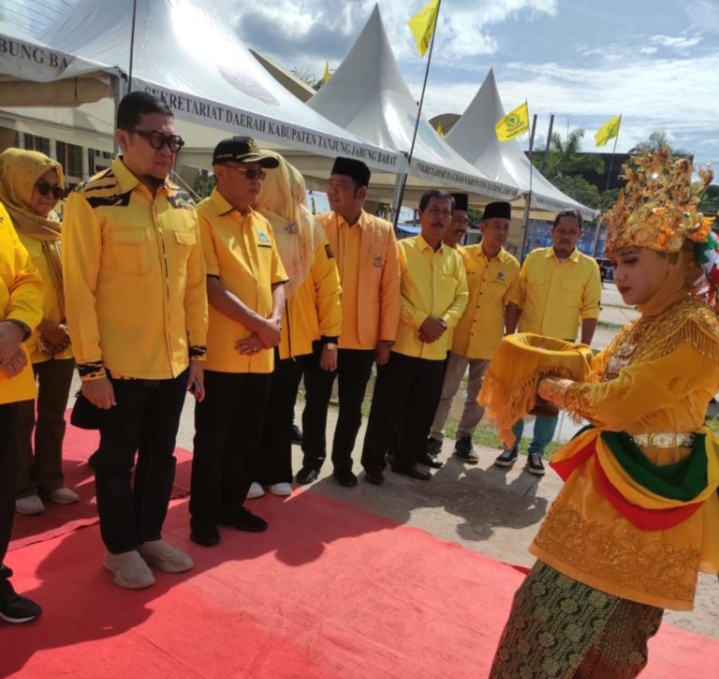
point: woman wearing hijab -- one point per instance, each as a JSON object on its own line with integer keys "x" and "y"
{"x": 31, "y": 184}
{"x": 638, "y": 516}
{"x": 311, "y": 322}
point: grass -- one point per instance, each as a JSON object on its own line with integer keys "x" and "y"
{"x": 713, "y": 424}
{"x": 619, "y": 306}
{"x": 609, "y": 326}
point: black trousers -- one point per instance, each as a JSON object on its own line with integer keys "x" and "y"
{"x": 144, "y": 422}
{"x": 40, "y": 470}
{"x": 274, "y": 461}
{"x": 228, "y": 431}
{"x": 405, "y": 399}
{"x": 8, "y": 458}
{"x": 354, "y": 368}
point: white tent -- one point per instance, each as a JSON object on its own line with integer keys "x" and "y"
{"x": 185, "y": 53}
{"x": 474, "y": 137}
{"x": 368, "y": 96}
{"x": 34, "y": 74}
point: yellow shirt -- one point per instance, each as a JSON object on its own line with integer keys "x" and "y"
{"x": 433, "y": 284}
{"x": 492, "y": 285}
{"x": 135, "y": 284}
{"x": 240, "y": 251}
{"x": 51, "y": 307}
{"x": 366, "y": 256}
{"x": 659, "y": 379}
{"x": 21, "y": 295}
{"x": 315, "y": 309}
{"x": 555, "y": 296}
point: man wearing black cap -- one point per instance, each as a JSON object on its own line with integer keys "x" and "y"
{"x": 434, "y": 297}
{"x": 454, "y": 235}
{"x": 492, "y": 277}
{"x": 366, "y": 252}
{"x": 245, "y": 280}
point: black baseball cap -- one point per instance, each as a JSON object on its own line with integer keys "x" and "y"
{"x": 243, "y": 150}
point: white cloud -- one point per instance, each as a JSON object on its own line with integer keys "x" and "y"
{"x": 703, "y": 15}
{"x": 648, "y": 50}
{"x": 675, "y": 42}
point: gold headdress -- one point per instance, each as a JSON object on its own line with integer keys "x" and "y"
{"x": 658, "y": 207}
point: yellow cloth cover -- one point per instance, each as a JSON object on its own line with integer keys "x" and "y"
{"x": 510, "y": 386}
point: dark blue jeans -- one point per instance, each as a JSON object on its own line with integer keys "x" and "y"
{"x": 144, "y": 423}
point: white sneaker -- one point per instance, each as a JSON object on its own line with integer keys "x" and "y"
{"x": 29, "y": 505}
{"x": 280, "y": 489}
{"x": 165, "y": 557}
{"x": 62, "y": 496}
{"x": 256, "y": 490}
{"x": 129, "y": 570}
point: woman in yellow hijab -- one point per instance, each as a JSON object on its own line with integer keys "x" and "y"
{"x": 638, "y": 516}
{"x": 31, "y": 184}
{"x": 311, "y": 321}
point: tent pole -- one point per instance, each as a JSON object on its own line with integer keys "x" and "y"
{"x": 120, "y": 92}
{"x": 528, "y": 197}
{"x": 132, "y": 42}
{"x": 400, "y": 193}
{"x": 399, "y": 188}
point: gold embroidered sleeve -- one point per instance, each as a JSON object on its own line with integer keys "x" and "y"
{"x": 578, "y": 400}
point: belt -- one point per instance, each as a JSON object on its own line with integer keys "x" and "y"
{"x": 664, "y": 440}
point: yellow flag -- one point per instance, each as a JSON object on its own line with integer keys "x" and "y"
{"x": 326, "y": 76}
{"x": 440, "y": 131}
{"x": 608, "y": 131}
{"x": 513, "y": 124}
{"x": 422, "y": 26}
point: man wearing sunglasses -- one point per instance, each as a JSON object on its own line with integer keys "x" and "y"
{"x": 136, "y": 303}
{"x": 245, "y": 280}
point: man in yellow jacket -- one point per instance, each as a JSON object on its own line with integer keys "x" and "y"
{"x": 492, "y": 277}
{"x": 312, "y": 316}
{"x": 21, "y": 307}
{"x": 559, "y": 291}
{"x": 366, "y": 252}
{"x": 434, "y": 297}
{"x": 245, "y": 287}
{"x": 136, "y": 306}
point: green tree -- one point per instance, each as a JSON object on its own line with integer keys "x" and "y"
{"x": 204, "y": 183}
{"x": 565, "y": 165}
{"x": 709, "y": 204}
{"x": 307, "y": 77}
{"x": 657, "y": 141}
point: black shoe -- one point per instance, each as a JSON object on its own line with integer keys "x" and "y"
{"x": 434, "y": 447}
{"x": 535, "y": 465}
{"x": 507, "y": 458}
{"x": 296, "y": 435}
{"x": 244, "y": 519}
{"x": 307, "y": 475}
{"x": 345, "y": 478}
{"x": 204, "y": 533}
{"x": 413, "y": 473}
{"x": 15, "y": 608}
{"x": 464, "y": 450}
{"x": 375, "y": 478}
{"x": 430, "y": 460}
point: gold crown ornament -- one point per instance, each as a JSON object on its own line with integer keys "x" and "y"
{"x": 658, "y": 207}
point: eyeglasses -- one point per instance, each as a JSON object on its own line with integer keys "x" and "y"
{"x": 43, "y": 188}
{"x": 157, "y": 140}
{"x": 250, "y": 172}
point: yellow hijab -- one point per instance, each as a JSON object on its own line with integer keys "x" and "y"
{"x": 19, "y": 172}
{"x": 283, "y": 202}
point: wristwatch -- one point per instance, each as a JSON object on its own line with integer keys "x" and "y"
{"x": 389, "y": 343}
{"x": 27, "y": 331}
{"x": 330, "y": 345}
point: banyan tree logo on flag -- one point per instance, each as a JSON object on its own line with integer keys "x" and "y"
{"x": 513, "y": 124}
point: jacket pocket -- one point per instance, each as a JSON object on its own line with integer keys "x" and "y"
{"x": 129, "y": 250}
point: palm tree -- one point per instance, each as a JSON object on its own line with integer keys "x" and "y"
{"x": 657, "y": 141}
{"x": 566, "y": 158}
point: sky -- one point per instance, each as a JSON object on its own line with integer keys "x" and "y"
{"x": 654, "y": 61}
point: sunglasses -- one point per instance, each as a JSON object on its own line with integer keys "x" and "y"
{"x": 43, "y": 188}
{"x": 157, "y": 140}
{"x": 249, "y": 172}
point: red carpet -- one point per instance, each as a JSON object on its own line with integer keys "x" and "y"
{"x": 327, "y": 592}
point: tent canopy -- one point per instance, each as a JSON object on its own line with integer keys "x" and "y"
{"x": 368, "y": 96}
{"x": 185, "y": 53}
{"x": 474, "y": 137}
{"x": 34, "y": 74}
